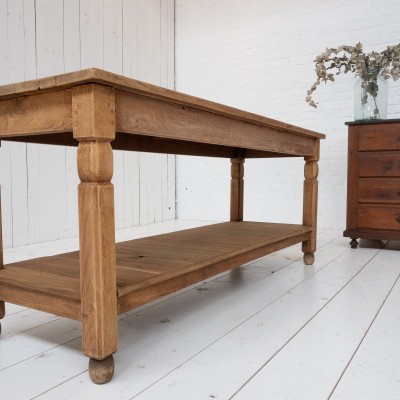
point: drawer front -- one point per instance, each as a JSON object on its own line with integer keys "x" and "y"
{"x": 376, "y": 164}
{"x": 385, "y": 217}
{"x": 383, "y": 190}
{"x": 379, "y": 137}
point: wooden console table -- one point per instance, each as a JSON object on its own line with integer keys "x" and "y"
{"x": 98, "y": 112}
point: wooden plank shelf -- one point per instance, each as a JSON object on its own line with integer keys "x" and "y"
{"x": 148, "y": 268}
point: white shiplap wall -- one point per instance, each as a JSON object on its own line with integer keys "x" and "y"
{"x": 39, "y": 38}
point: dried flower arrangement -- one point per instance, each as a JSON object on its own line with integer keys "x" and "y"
{"x": 353, "y": 59}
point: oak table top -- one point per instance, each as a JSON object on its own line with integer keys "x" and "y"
{"x": 147, "y": 111}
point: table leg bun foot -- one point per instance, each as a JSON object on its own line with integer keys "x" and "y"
{"x": 308, "y": 258}
{"x": 353, "y": 243}
{"x": 101, "y": 371}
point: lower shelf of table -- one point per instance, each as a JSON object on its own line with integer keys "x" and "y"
{"x": 147, "y": 268}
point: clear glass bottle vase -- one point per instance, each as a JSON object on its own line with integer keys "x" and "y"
{"x": 370, "y": 98}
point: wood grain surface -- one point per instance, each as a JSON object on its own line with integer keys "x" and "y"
{"x": 373, "y": 184}
{"x": 36, "y": 114}
{"x": 151, "y": 267}
{"x": 237, "y": 189}
{"x": 94, "y": 75}
{"x": 379, "y": 190}
{"x": 156, "y": 117}
{"x": 375, "y": 164}
{"x": 94, "y": 127}
{"x": 377, "y": 137}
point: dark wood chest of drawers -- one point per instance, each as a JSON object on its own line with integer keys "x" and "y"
{"x": 373, "y": 181}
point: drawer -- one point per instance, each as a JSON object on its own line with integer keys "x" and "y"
{"x": 378, "y": 217}
{"x": 383, "y": 190}
{"x": 376, "y": 164}
{"x": 379, "y": 137}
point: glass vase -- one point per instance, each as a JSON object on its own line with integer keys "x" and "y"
{"x": 370, "y": 98}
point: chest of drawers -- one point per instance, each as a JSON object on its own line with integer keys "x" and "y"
{"x": 373, "y": 181}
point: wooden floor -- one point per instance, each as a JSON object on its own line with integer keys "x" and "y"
{"x": 275, "y": 329}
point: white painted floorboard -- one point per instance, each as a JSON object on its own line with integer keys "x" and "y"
{"x": 374, "y": 372}
{"x": 273, "y": 329}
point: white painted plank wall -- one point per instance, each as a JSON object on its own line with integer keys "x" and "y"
{"x": 46, "y": 37}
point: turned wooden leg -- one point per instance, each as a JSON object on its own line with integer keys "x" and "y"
{"x": 237, "y": 184}
{"x": 353, "y": 243}
{"x": 94, "y": 127}
{"x": 97, "y": 250}
{"x": 310, "y": 202}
